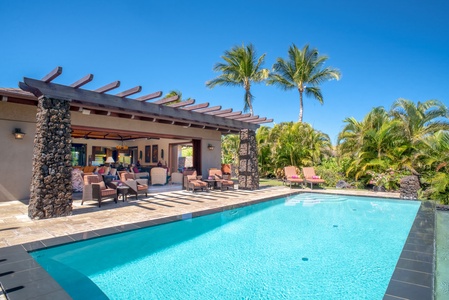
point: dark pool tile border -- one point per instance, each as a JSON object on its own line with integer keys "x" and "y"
{"x": 413, "y": 277}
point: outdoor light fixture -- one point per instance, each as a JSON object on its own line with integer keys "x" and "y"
{"x": 18, "y": 134}
{"x": 121, "y": 147}
{"x": 210, "y": 147}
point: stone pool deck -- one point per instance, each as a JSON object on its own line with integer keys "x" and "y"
{"x": 22, "y": 278}
{"x": 17, "y": 228}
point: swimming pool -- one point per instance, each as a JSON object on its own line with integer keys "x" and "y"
{"x": 306, "y": 246}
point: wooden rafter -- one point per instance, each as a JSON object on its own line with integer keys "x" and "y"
{"x": 52, "y": 75}
{"x": 198, "y": 106}
{"x": 231, "y": 114}
{"x": 263, "y": 120}
{"x": 209, "y": 109}
{"x": 182, "y": 103}
{"x": 130, "y": 92}
{"x": 217, "y": 112}
{"x": 239, "y": 117}
{"x": 150, "y": 96}
{"x": 108, "y": 87}
{"x": 167, "y": 100}
{"x": 86, "y": 79}
{"x": 250, "y": 118}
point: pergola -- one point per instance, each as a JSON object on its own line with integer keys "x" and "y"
{"x": 50, "y": 191}
{"x": 150, "y": 108}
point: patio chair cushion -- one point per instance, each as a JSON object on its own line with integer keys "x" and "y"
{"x": 107, "y": 192}
{"x": 102, "y": 185}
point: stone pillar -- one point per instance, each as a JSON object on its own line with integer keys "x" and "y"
{"x": 409, "y": 187}
{"x": 51, "y": 184}
{"x": 248, "y": 164}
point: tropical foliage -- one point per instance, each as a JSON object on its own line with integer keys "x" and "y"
{"x": 304, "y": 71}
{"x": 241, "y": 67}
{"x": 409, "y": 139}
{"x": 290, "y": 143}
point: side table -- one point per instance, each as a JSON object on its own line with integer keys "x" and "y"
{"x": 123, "y": 191}
{"x": 210, "y": 183}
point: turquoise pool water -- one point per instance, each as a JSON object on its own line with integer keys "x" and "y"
{"x": 308, "y": 246}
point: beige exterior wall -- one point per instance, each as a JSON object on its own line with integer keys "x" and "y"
{"x": 17, "y": 155}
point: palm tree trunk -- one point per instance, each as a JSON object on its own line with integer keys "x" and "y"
{"x": 300, "y": 106}
{"x": 248, "y": 100}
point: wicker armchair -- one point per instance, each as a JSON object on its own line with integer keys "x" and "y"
{"x": 95, "y": 188}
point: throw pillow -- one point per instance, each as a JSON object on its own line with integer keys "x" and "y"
{"x": 102, "y": 185}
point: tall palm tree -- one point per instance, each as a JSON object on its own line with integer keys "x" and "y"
{"x": 241, "y": 67}
{"x": 304, "y": 71}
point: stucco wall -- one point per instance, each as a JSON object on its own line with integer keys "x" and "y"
{"x": 17, "y": 155}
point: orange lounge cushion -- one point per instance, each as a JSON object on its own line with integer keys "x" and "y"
{"x": 198, "y": 183}
{"x": 142, "y": 187}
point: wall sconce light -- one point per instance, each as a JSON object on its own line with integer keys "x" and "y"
{"x": 18, "y": 134}
{"x": 210, "y": 147}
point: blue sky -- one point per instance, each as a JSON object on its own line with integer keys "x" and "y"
{"x": 385, "y": 50}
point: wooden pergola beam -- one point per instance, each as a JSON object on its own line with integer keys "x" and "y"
{"x": 217, "y": 112}
{"x": 52, "y": 75}
{"x": 130, "y": 92}
{"x": 150, "y": 96}
{"x": 209, "y": 109}
{"x": 262, "y": 120}
{"x": 167, "y": 100}
{"x": 231, "y": 114}
{"x": 183, "y": 103}
{"x": 241, "y": 117}
{"x": 86, "y": 79}
{"x": 249, "y": 118}
{"x": 108, "y": 87}
{"x": 198, "y": 106}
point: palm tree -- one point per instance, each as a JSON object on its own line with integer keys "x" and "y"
{"x": 422, "y": 119}
{"x": 304, "y": 71}
{"x": 240, "y": 68}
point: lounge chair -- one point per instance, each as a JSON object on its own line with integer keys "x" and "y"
{"x": 95, "y": 188}
{"x": 311, "y": 177}
{"x": 222, "y": 182}
{"x": 291, "y": 176}
{"x": 193, "y": 183}
{"x": 136, "y": 186}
